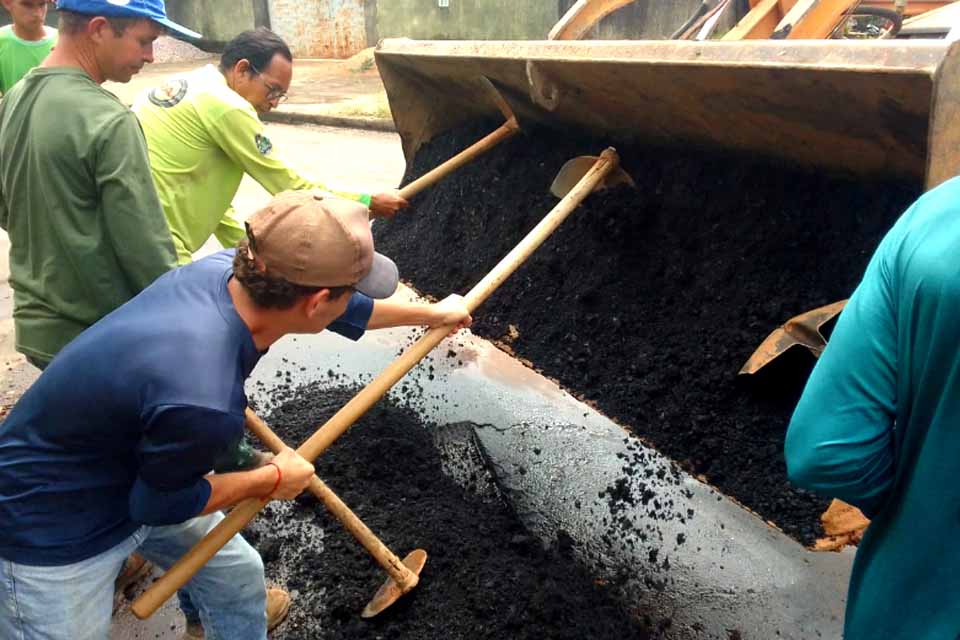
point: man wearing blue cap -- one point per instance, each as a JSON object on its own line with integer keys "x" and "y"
{"x": 86, "y": 228}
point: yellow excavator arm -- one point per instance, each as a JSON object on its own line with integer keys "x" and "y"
{"x": 810, "y": 19}
{"x": 790, "y": 19}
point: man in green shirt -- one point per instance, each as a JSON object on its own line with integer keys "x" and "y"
{"x": 25, "y": 43}
{"x": 204, "y": 133}
{"x": 87, "y": 232}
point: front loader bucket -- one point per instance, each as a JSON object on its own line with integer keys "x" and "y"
{"x": 881, "y": 108}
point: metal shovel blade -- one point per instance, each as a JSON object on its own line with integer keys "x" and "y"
{"x": 497, "y": 98}
{"x": 573, "y": 171}
{"x": 390, "y": 592}
{"x": 803, "y": 330}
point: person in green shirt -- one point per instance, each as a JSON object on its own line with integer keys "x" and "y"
{"x": 203, "y": 133}
{"x": 25, "y": 43}
{"x": 87, "y": 231}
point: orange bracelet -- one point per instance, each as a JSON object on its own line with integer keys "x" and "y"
{"x": 279, "y": 479}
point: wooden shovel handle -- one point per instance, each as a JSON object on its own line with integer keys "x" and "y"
{"x": 378, "y": 387}
{"x": 390, "y": 563}
{"x": 506, "y": 130}
{"x": 192, "y": 561}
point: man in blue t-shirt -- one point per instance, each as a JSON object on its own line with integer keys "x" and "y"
{"x": 110, "y": 451}
{"x": 877, "y": 427}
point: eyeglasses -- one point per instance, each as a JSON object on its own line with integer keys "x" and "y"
{"x": 274, "y": 92}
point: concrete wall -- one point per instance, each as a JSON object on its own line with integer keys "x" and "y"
{"x": 218, "y": 20}
{"x": 321, "y": 28}
{"x": 521, "y": 19}
{"x": 466, "y": 19}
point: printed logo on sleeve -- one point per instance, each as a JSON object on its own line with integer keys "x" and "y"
{"x": 264, "y": 146}
{"x": 169, "y": 94}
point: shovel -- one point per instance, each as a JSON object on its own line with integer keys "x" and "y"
{"x": 506, "y": 130}
{"x": 802, "y": 330}
{"x": 184, "y": 569}
{"x": 573, "y": 171}
{"x": 403, "y": 575}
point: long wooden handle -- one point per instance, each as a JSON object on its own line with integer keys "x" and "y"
{"x": 506, "y": 130}
{"x": 192, "y": 561}
{"x": 390, "y": 563}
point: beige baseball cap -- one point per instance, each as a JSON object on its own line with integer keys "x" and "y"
{"x": 320, "y": 241}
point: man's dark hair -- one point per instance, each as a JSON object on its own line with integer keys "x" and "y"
{"x": 257, "y": 46}
{"x": 268, "y": 292}
{"x": 71, "y": 22}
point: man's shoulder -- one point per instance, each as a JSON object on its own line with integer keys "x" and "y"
{"x": 214, "y": 98}
{"x": 947, "y": 190}
{"x": 190, "y": 304}
{"x": 201, "y": 283}
{"x": 204, "y": 92}
{"x": 208, "y": 89}
{"x": 196, "y": 282}
{"x": 51, "y": 102}
{"x": 179, "y": 323}
{"x": 108, "y": 123}
{"x": 939, "y": 206}
{"x": 923, "y": 242}
{"x": 95, "y": 104}
{"x": 67, "y": 83}
{"x": 216, "y": 263}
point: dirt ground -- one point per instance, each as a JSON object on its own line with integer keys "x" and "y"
{"x": 648, "y": 302}
{"x": 486, "y": 577}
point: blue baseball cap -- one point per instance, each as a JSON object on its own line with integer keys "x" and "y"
{"x": 151, "y": 9}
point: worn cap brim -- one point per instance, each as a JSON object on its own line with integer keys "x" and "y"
{"x": 178, "y": 29}
{"x": 382, "y": 280}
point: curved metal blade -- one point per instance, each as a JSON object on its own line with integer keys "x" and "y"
{"x": 497, "y": 98}
{"x": 573, "y": 171}
{"x": 390, "y": 592}
{"x": 802, "y": 330}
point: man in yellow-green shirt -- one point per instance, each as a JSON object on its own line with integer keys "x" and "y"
{"x": 203, "y": 134}
{"x": 25, "y": 43}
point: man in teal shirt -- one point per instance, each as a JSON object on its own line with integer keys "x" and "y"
{"x": 25, "y": 43}
{"x": 877, "y": 427}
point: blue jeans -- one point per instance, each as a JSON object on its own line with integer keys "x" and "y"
{"x": 74, "y": 602}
